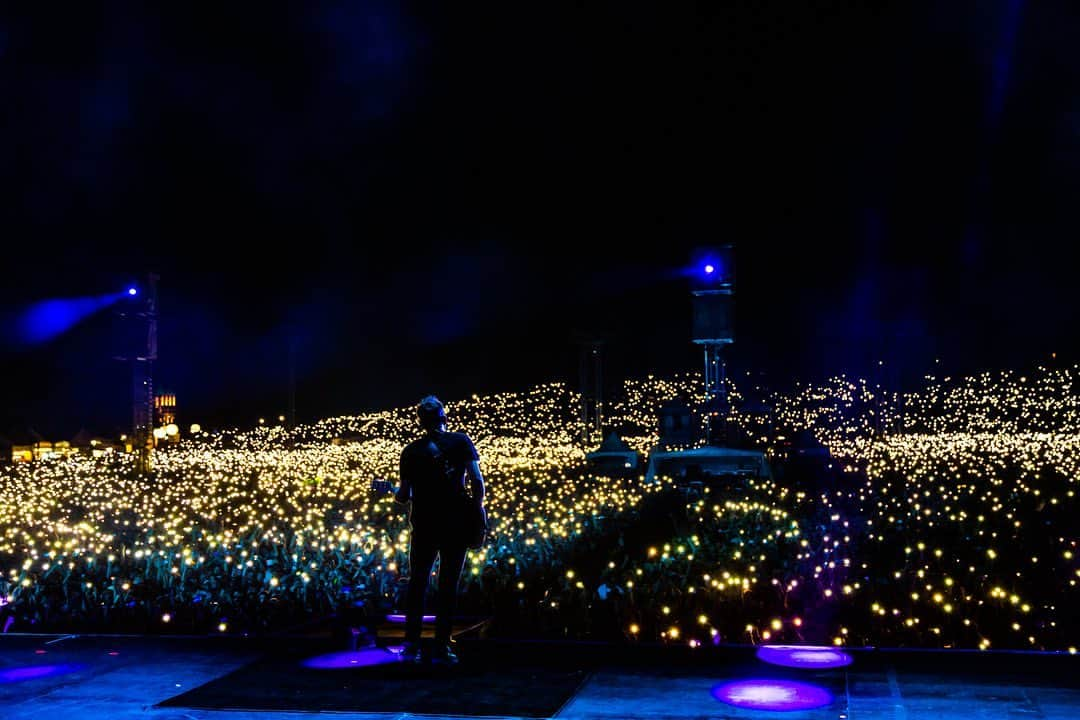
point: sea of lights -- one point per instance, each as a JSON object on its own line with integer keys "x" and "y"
{"x": 948, "y": 523}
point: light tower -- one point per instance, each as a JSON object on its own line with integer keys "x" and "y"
{"x": 713, "y": 293}
{"x": 592, "y": 392}
{"x": 138, "y": 316}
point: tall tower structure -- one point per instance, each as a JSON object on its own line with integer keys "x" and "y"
{"x": 592, "y": 401}
{"x": 138, "y": 317}
{"x": 713, "y": 297}
{"x": 291, "y": 417}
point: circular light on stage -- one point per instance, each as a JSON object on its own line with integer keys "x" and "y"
{"x": 710, "y": 269}
{"x": 32, "y": 672}
{"x": 772, "y": 695}
{"x": 811, "y": 657}
{"x": 351, "y": 659}
{"x": 133, "y": 291}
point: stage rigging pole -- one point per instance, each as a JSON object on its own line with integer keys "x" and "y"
{"x": 142, "y": 356}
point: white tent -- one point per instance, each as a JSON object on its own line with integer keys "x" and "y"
{"x": 707, "y": 460}
{"x": 613, "y": 456}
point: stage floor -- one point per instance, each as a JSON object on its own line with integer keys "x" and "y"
{"x": 222, "y": 678}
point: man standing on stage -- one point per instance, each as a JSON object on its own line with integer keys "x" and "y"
{"x": 433, "y": 471}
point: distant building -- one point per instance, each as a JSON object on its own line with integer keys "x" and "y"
{"x": 30, "y": 446}
{"x": 165, "y": 427}
{"x": 86, "y": 443}
{"x": 38, "y": 450}
{"x": 24, "y": 446}
{"x": 164, "y": 409}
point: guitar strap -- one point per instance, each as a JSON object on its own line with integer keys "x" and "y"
{"x": 440, "y": 459}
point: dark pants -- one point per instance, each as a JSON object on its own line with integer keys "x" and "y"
{"x": 425, "y": 544}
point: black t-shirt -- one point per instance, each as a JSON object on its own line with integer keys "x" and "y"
{"x": 435, "y": 466}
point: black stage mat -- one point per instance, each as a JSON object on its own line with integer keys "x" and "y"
{"x": 492, "y": 681}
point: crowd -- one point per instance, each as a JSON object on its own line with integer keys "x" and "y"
{"x": 950, "y": 525}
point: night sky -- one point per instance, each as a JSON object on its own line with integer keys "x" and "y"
{"x": 446, "y": 198}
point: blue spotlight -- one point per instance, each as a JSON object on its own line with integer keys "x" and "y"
{"x": 31, "y": 672}
{"x": 708, "y": 271}
{"x": 711, "y": 268}
{"x": 133, "y": 291}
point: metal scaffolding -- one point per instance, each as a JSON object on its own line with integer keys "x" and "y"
{"x": 139, "y": 315}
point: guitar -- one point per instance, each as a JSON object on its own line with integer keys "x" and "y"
{"x": 476, "y": 524}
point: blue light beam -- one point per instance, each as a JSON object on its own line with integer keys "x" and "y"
{"x": 33, "y": 672}
{"x": 48, "y": 319}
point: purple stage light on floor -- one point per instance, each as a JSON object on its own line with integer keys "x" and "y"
{"x": 810, "y": 657}
{"x": 32, "y": 672}
{"x": 401, "y": 618}
{"x": 765, "y": 694}
{"x": 351, "y": 659}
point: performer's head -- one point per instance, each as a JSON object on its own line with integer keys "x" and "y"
{"x": 431, "y": 413}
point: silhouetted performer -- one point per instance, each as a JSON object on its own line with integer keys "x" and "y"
{"x": 433, "y": 472}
